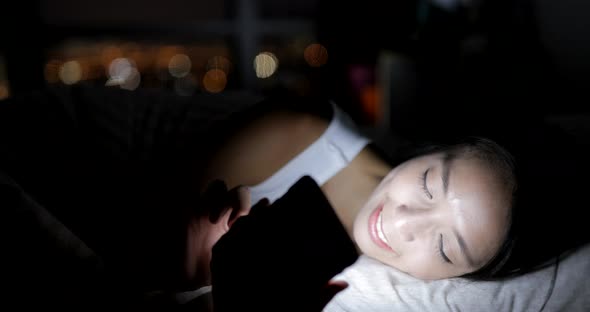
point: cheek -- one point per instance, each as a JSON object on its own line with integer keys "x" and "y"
{"x": 425, "y": 267}
{"x": 415, "y": 263}
{"x": 423, "y": 264}
{"x": 402, "y": 191}
{"x": 429, "y": 267}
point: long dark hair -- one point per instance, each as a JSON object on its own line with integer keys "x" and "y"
{"x": 549, "y": 206}
{"x": 546, "y": 171}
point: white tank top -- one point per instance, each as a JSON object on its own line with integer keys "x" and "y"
{"x": 321, "y": 160}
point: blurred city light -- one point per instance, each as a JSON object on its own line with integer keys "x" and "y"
{"x": 120, "y": 68}
{"x": 70, "y": 72}
{"x": 265, "y": 64}
{"x": 133, "y": 80}
{"x": 219, "y": 62}
{"x": 130, "y": 64}
{"x": 179, "y": 65}
{"x": 214, "y": 80}
{"x": 315, "y": 55}
{"x": 122, "y": 72}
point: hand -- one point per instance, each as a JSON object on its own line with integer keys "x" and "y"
{"x": 218, "y": 209}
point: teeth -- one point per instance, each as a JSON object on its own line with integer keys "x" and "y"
{"x": 380, "y": 229}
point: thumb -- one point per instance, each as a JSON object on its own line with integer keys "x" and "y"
{"x": 239, "y": 200}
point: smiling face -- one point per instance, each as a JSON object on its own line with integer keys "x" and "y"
{"x": 435, "y": 216}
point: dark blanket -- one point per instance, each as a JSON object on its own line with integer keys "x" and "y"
{"x": 114, "y": 171}
{"x": 105, "y": 169}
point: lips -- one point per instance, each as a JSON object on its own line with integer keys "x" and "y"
{"x": 376, "y": 229}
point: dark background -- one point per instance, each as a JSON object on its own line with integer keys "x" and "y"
{"x": 396, "y": 65}
{"x": 412, "y": 67}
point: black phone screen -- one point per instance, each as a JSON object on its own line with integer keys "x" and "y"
{"x": 281, "y": 254}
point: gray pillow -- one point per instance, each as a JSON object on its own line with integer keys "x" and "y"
{"x": 373, "y": 286}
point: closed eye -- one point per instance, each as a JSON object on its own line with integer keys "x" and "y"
{"x": 441, "y": 250}
{"x": 424, "y": 186}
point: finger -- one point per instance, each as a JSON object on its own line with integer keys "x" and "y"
{"x": 257, "y": 208}
{"x": 330, "y": 290}
{"x": 337, "y": 285}
{"x": 240, "y": 203}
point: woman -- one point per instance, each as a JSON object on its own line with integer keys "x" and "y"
{"x": 123, "y": 157}
{"x": 441, "y": 214}
{"x": 438, "y": 212}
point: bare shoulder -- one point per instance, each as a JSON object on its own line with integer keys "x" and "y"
{"x": 350, "y": 188}
{"x": 264, "y": 146}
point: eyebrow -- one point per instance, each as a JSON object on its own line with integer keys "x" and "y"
{"x": 445, "y": 176}
{"x": 446, "y": 171}
{"x": 463, "y": 247}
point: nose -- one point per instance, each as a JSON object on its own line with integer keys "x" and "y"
{"x": 411, "y": 223}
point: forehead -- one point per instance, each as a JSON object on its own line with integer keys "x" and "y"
{"x": 480, "y": 202}
{"x": 474, "y": 180}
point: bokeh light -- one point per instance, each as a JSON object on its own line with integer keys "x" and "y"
{"x": 132, "y": 81}
{"x": 70, "y": 72}
{"x": 128, "y": 64}
{"x": 214, "y": 80}
{"x": 219, "y": 62}
{"x": 122, "y": 72}
{"x": 315, "y": 55}
{"x": 265, "y": 64}
{"x": 179, "y": 65}
{"x": 120, "y": 68}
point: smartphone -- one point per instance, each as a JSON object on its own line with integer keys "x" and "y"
{"x": 281, "y": 256}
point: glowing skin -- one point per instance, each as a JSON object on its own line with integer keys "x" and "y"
{"x": 427, "y": 204}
